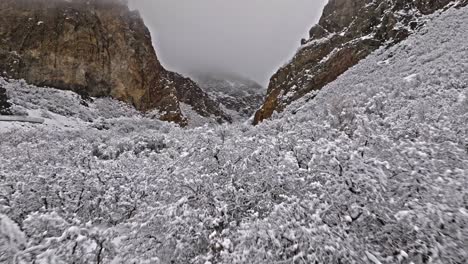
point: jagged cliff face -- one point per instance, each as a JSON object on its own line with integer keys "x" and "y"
{"x": 190, "y": 93}
{"x": 96, "y": 48}
{"x": 348, "y": 31}
{"x": 239, "y": 96}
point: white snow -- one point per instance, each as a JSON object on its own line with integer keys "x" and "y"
{"x": 376, "y": 163}
{"x": 411, "y": 77}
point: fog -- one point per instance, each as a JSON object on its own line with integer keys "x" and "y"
{"x": 252, "y": 38}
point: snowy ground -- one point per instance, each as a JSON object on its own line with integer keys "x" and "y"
{"x": 373, "y": 170}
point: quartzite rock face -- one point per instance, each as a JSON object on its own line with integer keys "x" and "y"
{"x": 348, "y": 31}
{"x": 93, "y": 47}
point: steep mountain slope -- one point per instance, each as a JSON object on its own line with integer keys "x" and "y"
{"x": 95, "y": 48}
{"x": 348, "y": 31}
{"x": 239, "y": 96}
{"x": 189, "y": 93}
{"x": 373, "y": 170}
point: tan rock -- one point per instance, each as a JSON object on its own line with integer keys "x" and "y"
{"x": 96, "y": 48}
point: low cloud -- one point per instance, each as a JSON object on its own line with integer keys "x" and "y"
{"x": 252, "y": 38}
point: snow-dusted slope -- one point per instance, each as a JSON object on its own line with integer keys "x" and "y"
{"x": 373, "y": 169}
{"x": 348, "y": 31}
{"x": 63, "y": 109}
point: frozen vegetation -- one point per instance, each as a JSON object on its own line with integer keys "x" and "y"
{"x": 373, "y": 170}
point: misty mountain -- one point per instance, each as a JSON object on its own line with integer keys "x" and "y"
{"x": 96, "y": 48}
{"x": 373, "y": 170}
{"x": 239, "y": 96}
{"x": 370, "y": 168}
{"x": 249, "y": 37}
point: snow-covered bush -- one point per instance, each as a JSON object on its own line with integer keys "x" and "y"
{"x": 12, "y": 240}
{"x": 372, "y": 170}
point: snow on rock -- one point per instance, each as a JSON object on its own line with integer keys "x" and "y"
{"x": 347, "y": 32}
{"x": 194, "y": 119}
{"x": 371, "y": 169}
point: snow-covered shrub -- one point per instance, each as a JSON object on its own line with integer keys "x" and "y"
{"x": 12, "y": 240}
{"x": 342, "y": 116}
{"x": 372, "y": 170}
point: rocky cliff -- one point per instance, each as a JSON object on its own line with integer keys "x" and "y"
{"x": 190, "y": 93}
{"x": 93, "y": 47}
{"x": 348, "y": 31}
{"x": 239, "y": 96}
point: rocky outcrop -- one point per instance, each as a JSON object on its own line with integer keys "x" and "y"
{"x": 239, "y": 96}
{"x": 93, "y": 47}
{"x": 348, "y": 31}
{"x": 190, "y": 93}
{"x": 4, "y": 104}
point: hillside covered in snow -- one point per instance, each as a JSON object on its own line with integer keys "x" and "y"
{"x": 347, "y": 32}
{"x": 371, "y": 169}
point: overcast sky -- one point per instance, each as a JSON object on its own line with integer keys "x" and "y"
{"x": 252, "y": 38}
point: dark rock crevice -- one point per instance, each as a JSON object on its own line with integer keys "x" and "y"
{"x": 4, "y": 104}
